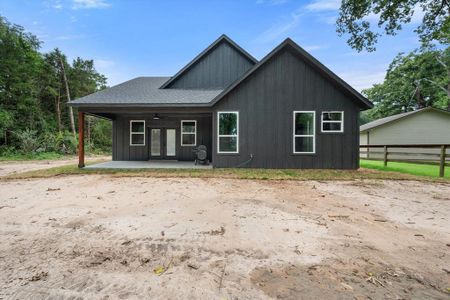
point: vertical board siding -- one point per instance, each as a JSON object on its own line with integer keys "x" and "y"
{"x": 121, "y": 137}
{"x": 218, "y": 69}
{"x": 266, "y": 101}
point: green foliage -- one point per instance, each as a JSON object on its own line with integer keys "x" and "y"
{"x": 100, "y": 139}
{"x": 34, "y": 114}
{"x": 28, "y": 140}
{"x": 415, "y": 80}
{"x": 392, "y": 15}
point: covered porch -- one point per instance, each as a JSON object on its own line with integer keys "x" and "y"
{"x": 152, "y": 138}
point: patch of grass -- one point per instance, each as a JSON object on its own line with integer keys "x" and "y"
{"x": 259, "y": 174}
{"x": 32, "y": 156}
{"x": 406, "y": 168}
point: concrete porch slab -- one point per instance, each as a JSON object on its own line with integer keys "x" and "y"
{"x": 153, "y": 164}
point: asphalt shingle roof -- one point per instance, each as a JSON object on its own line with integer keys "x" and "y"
{"x": 146, "y": 91}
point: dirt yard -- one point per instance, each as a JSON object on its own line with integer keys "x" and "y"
{"x": 105, "y": 237}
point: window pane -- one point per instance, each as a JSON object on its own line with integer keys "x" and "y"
{"x": 155, "y": 143}
{"x": 336, "y": 116}
{"x": 227, "y": 144}
{"x": 304, "y": 144}
{"x": 137, "y": 139}
{"x": 304, "y": 123}
{"x": 188, "y": 139}
{"x": 332, "y": 126}
{"x": 137, "y": 127}
{"x": 170, "y": 142}
{"x": 188, "y": 127}
{"x": 228, "y": 123}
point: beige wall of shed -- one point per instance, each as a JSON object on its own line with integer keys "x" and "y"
{"x": 428, "y": 127}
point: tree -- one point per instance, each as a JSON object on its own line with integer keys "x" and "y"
{"x": 20, "y": 65}
{"x": 62, "y": 63}
{"x": 392, "y": 15}
{"x": 34, "y": 91}
{"x": 415, "y": 80}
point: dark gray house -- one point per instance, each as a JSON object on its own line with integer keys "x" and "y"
{"x": 285, "y": 111}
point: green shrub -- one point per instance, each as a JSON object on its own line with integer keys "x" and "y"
{"x": 28, "y": 140}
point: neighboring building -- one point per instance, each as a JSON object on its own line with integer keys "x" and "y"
{"x": 424, "y": 126}
{"x": 285, "y": 111}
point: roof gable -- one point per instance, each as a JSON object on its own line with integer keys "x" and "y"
{"x": 216, "y": 67}
{"x": 359, "y": 99}
{"x": 397, "y": 117}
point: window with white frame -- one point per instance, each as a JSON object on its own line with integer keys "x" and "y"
{"x": 188, "y": 133}
{"x": 137, "y": 133}
{"x": 228, "y": 132}
{"x": 304, "y": 139}
{"x": 332, "y": 121}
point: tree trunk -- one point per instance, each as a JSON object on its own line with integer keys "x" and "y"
{"x": 419, "y": 98}
{"x": 58, "y": 112}
{"x": 66, "y": 83}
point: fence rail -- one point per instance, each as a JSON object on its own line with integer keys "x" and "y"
{"x": 440, "y": 157}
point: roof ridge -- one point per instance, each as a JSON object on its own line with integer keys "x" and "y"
{"x": 220, "y": 39}
{"x": 309, "y": 58}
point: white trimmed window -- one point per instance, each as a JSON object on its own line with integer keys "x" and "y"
{"x": 304, "y": 132}
{"x": 228, "y": 132}
{"x": 137, "y": 133}
{"x": 332, "y": 121}
{"x": 188, "y": 132}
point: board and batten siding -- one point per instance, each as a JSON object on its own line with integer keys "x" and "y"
{"x": 121, "y": 135}
{"x": 266, "y": 101}
{"x": 216, "y": 70}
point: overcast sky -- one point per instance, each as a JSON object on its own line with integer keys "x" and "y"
{"x": 149, "y": 38}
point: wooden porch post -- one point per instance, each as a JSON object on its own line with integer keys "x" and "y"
{"x": 80, "y": 139}
{"x": 442, "y": 160}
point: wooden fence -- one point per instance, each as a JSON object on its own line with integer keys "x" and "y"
{"x": 418, "y": 153}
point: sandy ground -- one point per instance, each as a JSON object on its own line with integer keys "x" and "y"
{"x": 12, "y": 167}
{"x": 103, "y": 237}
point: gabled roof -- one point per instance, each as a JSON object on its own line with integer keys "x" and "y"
{"x": 145, "y": 91}
{"x": 383, "y": 121}
{"x": 223, "y": 38}
{"x": 362, "y": 101}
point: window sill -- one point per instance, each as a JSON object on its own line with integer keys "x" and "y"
{"x": 228, "y": 154}
{"x": 331, "y": 132}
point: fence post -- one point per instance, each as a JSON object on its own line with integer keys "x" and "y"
{"x": 385, "y": 156}
{"x": 442, "y": 161}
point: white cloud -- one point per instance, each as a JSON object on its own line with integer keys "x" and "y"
{"x": 323, "y": 5}
{"x": 68, "y": 37}
{"x": 55, "y": 4}
{"x": 362, "y": 79}
{"x": 85, "y": 4}
{"x": 312, "y": 48}
{"x": 104, "y": 63}
{"x": 280, "y": 29}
